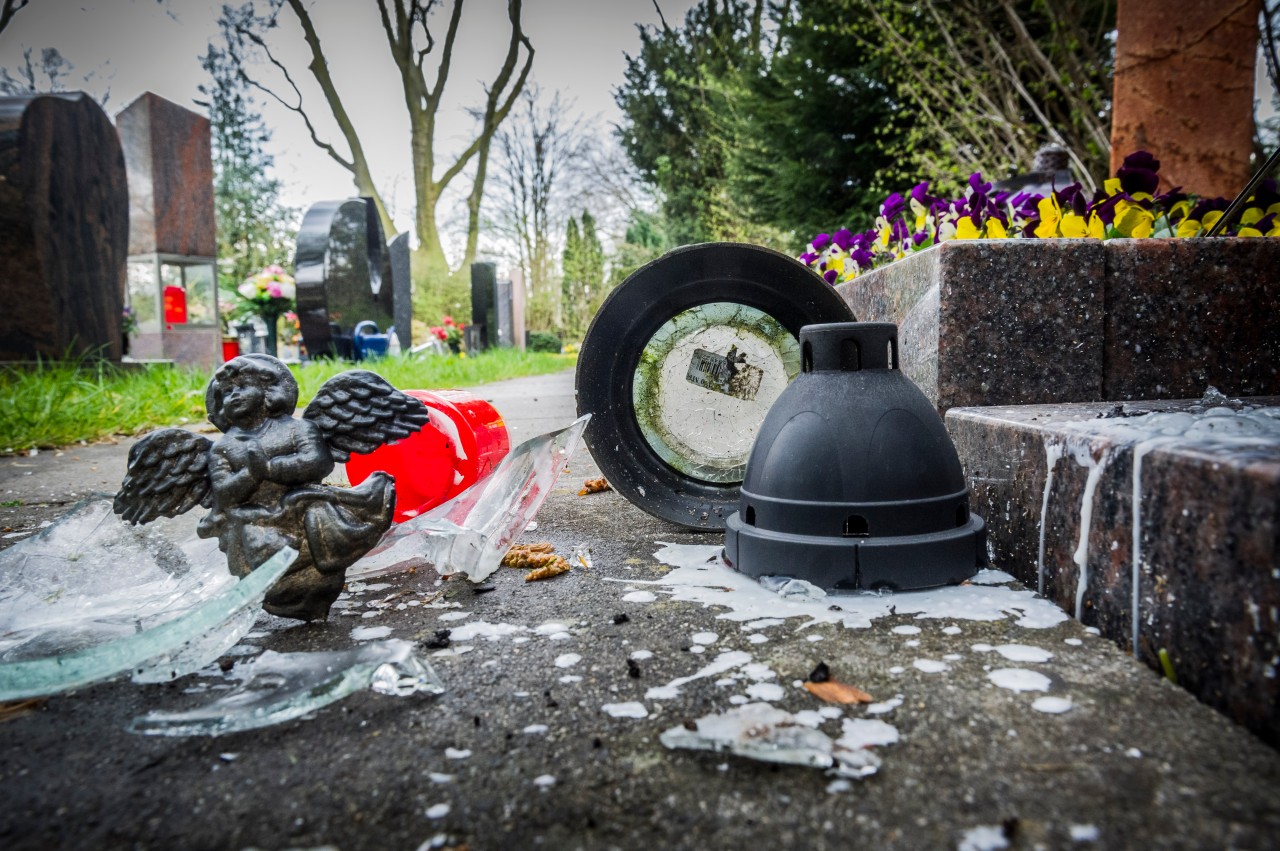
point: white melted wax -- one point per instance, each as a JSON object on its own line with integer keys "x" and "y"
{"x": 701, "y": 576}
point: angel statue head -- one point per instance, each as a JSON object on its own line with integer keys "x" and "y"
{"x": 249, "y": 389}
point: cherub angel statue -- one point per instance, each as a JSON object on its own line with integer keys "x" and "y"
{"x": 263, "y": 477}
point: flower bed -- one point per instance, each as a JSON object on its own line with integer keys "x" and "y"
{"x": 1129, "y": 206}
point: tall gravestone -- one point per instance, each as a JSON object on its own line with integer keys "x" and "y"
{"x": 402, "y": 289}
{"x": 64, "y": 218}
{"x": 343, "y": 275}
{"x": 172, "y": 274}
{"x": 483, "y": 278}
{"x": 503, "y": 326}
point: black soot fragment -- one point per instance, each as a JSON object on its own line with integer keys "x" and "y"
{"x": 438, "y": 640}
{"x": 820, "y": 674}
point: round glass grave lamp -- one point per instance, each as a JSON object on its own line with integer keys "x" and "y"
{"x": 854, "y": 483}
{"x": 681, "y": 365}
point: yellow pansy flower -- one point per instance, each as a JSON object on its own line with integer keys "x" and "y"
{"x": 966, "y": 229}
{"x": 1074, "y": 227}
{"x": 1050, "y": 213}
{"x": 996, "y": 229}
{"x": 1188, "y": 228}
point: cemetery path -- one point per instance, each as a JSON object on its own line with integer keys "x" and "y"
{"x": 549, "y": 733}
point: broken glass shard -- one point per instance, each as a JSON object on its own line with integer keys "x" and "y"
{"x": 470, "y": 533}
{"x": 278, "y": 687}
{"x": 92, "y": 597}
{"x": 766, "y": 733}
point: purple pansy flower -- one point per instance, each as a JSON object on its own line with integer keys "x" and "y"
{"x": 844, "y": 239}
{"x": 821, "y": 241}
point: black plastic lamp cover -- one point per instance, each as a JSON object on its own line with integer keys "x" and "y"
{"x": 681, "y": 365}
{"x": 853, "y": 482}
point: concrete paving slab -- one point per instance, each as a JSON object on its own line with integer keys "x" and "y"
{"x": 520, "y": 752}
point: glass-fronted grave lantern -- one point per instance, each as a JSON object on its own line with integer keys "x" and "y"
{"x": 175, "y": 304}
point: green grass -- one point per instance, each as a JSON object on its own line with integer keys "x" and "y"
{"x": 58, "y": 404}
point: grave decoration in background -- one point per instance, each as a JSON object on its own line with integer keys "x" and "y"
{"x": 172, "y": 277}
{"x": 343, "y": 275}
{"x": 682, "y": 363}
{"x": 64, "y": 210}
{"x": 268, "y": 295}
{"x": 462, "y": 442}
{"x": 262, "y": 478}
{"x": 853, "y": 483}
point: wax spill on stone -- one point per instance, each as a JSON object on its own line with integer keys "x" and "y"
{"x": 705, "y": 637}
{"x": 988, "y": 576}
{"x": 369, "y": 633}
{"x": 640, "y": 597}
{"x": 884, "y": 707}
{"x": 726, "y": 661}
{"x": 456, "y": 753}
{"x": 1096, "y": 466}
{"x": 1052, "y": 705}
{"x": 534, "y": 729}
{"x": 983, "y": 838}
{"x": 1019, "y": 679}
{"x": 567, "y": 660}
{"x": 631, "y": 709}
{"x": 906, "y": 630}
{"x": 700, "y": 576}
{"x": 1023, "y": 653}
{"x": 544, "y": 781}
{"x": 438, "y": 811}
{"x": 454, "y": 616}
{"x": 1084, "y": 832}
{"x": 641, "y": 655}
{"x": 931, "y": 666}
{"x": 765, "y": 691}
{"x": 1052, "y": 454}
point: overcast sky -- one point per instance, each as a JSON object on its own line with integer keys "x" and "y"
{"x": 134, "y": 46}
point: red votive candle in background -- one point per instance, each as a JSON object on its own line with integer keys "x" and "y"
{"x": 464, "y": 441}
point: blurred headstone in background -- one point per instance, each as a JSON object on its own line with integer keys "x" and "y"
{"x": 64, "y": 219}
{"x": 343, "y": 274}
{"x": 172, "y": 274}
{"x": 401, "y": 289}
{"x": 483, "y": 278}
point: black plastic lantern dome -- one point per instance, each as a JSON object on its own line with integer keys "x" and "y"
{"x": 853, "y": 482}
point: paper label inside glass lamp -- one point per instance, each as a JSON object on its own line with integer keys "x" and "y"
{"x": 704, "y": 383}
{"x": 729, "y": 373}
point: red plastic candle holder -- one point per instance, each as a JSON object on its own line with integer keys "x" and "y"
{"x": 464, "y": 441}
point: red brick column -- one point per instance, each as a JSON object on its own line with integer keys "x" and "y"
{"x": 1184, "y": 89}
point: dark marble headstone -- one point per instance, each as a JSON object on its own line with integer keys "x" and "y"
{"x": 168, "y": 152}
{"x": 342, "y": 272}
{"x": 402, "y": 289}
{"x": 64, "y": 218}
{"x": 483, "y": 278}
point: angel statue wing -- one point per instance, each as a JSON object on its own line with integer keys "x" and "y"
{"x": 168, "y": 475}
{"x": 358, "y": 411}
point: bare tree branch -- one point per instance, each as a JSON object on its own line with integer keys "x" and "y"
{"x": 9, "y": 9}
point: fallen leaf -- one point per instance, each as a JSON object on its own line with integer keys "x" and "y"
{"x": 836, "y": 692}
{"x": 593, "y": 486}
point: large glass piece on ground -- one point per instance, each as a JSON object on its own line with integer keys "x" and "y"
{"x": 278, "y": 687}
{"x": 91, "y": 597}
{"x": 705, "y": 382}
{"x": 470, "y": 533}
{"x": 764, "y": 732}
{"x": 679, "y": 366}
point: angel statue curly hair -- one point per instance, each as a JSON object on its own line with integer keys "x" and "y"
{"x": 278, "y": 385}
